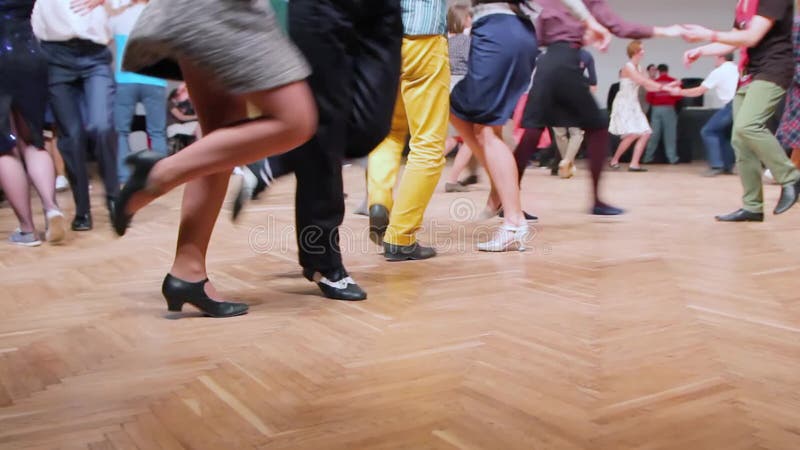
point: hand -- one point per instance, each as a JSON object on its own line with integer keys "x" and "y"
{"x": 673, "y": 89}
{"x": 671, "y": 31}
{"x": 596, "y": 34}
{"x": 691, "y": 56}
{"x": 84, "y": 7}
{"x": 697, "y": 33}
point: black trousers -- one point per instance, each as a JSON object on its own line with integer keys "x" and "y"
{"x": 353, "y": 47}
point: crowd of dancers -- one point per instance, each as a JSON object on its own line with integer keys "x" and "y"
{"x": 321, "y": 90}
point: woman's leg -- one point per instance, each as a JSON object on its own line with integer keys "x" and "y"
{"x": 287, "y": 119}
{"x": 501, "y": 164}
{"x": 626, "y": 142}
{"x": 638, "y": 150}
{"x": 467, "y": 131}
{"x": 463, "y": 157}
{"x": 14, "y": 182}
{"x": 42, "y": 173}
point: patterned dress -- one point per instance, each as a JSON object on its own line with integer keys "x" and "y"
{"x": 23, "y": 75}
{"x": 238, "y": 42}
{"x": 789, "y": 130}
{"x": 627, "y": 116}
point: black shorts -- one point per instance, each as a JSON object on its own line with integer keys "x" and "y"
{"x": 560, "y": 95}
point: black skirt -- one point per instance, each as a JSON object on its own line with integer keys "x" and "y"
{"x": 560, "y": 95}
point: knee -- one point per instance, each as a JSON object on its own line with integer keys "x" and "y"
{"x": 302, "y": 119}
{"x": 744, "y": 133}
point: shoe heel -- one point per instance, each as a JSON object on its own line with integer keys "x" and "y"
{"x": 174, "y": 305}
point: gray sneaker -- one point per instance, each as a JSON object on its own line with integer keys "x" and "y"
{"x": 24, "y": 239}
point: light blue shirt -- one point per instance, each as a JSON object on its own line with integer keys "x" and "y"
{"x": 424, "y": 17}
{"x": 130, "y": 77}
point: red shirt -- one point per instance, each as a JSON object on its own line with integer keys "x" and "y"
{"x": 662, "y": 98}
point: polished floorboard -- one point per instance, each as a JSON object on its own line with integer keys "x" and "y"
{"x": 660, "y": 329}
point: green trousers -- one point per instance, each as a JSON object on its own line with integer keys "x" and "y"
{"x": 754, "y": 144}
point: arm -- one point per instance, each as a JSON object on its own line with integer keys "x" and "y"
{"x": 699, "y": 91}
{"x": 577, "y": 9}
{"x": 621, "y": 28}
{"x": 748, "y": 37}
{"x": 715, "y": 49}
{"x": 641, "y": 80}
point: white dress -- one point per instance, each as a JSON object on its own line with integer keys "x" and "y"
{"x": 627, "y": 116}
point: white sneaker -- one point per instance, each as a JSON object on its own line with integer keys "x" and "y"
{"x": 56, "y": 226}
{"x": 768, "y": 176}
{"x": 506, "y": 238}
{"x": 61, "y": 183}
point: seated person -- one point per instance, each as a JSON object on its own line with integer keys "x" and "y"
{"x": 182, "y": 125}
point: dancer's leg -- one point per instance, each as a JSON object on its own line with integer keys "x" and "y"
{"x": 287, "y": 119}
{"x": 638, "y": 150}
{"x": 623, "y": 146}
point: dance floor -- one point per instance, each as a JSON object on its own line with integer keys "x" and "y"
{"x": 658, "y": 330}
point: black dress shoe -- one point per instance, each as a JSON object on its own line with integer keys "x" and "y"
{"x": 636, "y": 169}
{"x": 378, "y": 222}
{"x": 142, "y": 163}
{"x": 343, "y": 288}
{"x": 82, "y": 222}
{"x": 601, "y": 209}
{"x": 111, "y": 208}
{"x": 411, "y": 252}
{"x": 528, "y": 217}
{"x": 741, "y": 215}
{"x": 177, "y": 292}
{"x": 789, "y": 195}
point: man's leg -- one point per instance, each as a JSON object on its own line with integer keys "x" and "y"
{"x": 321, "y": 31}
{"x": 154, "y": 98}
{"x": 64, "y": 100}
{"x": 124, "y": 108}
{"x": 98, "y": 89}
{"x": 671, "y": 135}
{"x": 750, "y": 131}
{"x": 746, "y": 159}
{"x": 713, "y": 137}
{"x": 384, "y": 161}
{"x": 425, "y": 87}
{"x": 656, "y": 123}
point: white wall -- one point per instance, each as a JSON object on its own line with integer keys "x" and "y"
{"x": 717, "y": 14}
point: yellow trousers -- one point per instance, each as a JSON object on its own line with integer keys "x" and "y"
{"x": 423, "y": 109}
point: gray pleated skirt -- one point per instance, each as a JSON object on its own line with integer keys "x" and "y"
{"x": 239, "y": 42}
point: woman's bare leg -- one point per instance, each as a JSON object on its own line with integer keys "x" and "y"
{"x": 467, "y": 131}
{"x": 287, "y": 119}
{"x": 623, "y": 147}
{"x": 463, "y": 157}
{"x": 638, "y": 151}
{"x": 14, "y": 182}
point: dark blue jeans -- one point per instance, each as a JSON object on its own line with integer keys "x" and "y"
{"x": 154, "y": 99}
{"x": 717, "y": 138}
{"x": 81, "y": 94}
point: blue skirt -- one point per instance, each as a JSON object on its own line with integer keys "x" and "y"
{"x": 501, "y": 61}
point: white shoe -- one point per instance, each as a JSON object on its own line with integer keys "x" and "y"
{"x": 61, "y": 183}
{"x": 506, "y": 238}
{"x": 768, "y": 176}
{"x": 56, "y": 226}
{"x": 566, "y": 169}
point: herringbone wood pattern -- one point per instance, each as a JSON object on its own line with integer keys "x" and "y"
{"x": 660, "y": 330}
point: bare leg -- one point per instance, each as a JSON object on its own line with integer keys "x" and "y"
{"x": 14, "y": 182}
{"x": 58, "y": 162}
{"x": 623, "y": 147}
{"x": 287, "y": 118}
{"x": 641, "y": 144}
{"x": 41, "y": 171}
{"x": 467, "y": 131}
{"x": 450, "y": 144}
{"x": 501, "y": 164}
{"x": 463, "y": 157}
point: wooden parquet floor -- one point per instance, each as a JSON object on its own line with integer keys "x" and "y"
{"x": 658, "y": 330}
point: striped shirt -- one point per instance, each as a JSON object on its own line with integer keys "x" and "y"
{"x": 424, "y": 17}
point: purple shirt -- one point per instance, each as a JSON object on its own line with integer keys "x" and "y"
{"x": 556, "y": 23}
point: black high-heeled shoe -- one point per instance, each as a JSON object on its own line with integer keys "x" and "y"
{"x": 177, "y": 292}
{"x": 142, "y": 163}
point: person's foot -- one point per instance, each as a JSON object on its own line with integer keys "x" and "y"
{"x": 455, "y": 187}
{"x": 413, "y": 252}
{"x": 728, "y": 171}
{"x": 82, "y": 222}
{"x": 29, "y": 239}
{"x": 142, "y": 164}
{"x": 378, "y": 222}
{"x": 506, "y": 238}
{"x": 789, "y": 194}
{"x": 713, "y": 172}
{"x": 362, "y": 209}
{"x": 56, "y": 226}
{"x": 613, "y": 165}
{"x": 61, "y": 183}
{"x": 177, "y": 292}
{"x": 340, "y": 286}
{"x": 472, "y": 179}
{"x": 741, "y": 215}
{"x": 528, "y": 217}
{"x": 636, "y": 169}
{"x": 566, "y": 169}
{"x": 601, "y": 209}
